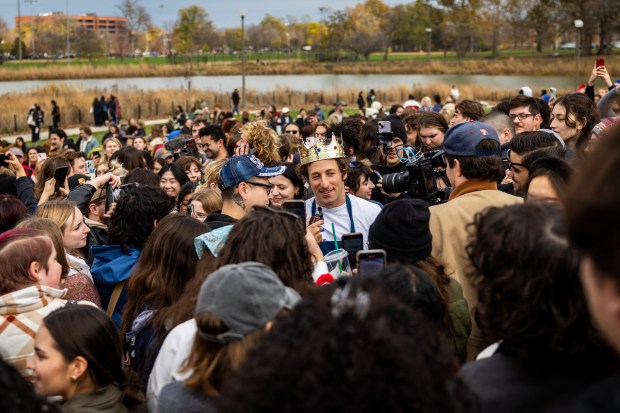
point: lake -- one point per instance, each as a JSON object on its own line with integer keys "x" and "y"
{"x": 297, "y": 82}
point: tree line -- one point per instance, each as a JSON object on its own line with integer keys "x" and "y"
{"x": 461, "y": 26}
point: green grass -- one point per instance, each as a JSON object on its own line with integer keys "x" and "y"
{"x": 314, "y": 55}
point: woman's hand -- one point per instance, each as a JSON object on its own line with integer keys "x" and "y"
{"x": 48, "y": 190}
{"x": 107, "y": 177}
{"x": 603, "y": 74}
{"x": 315, "y": 230}
{"x": 242, "y": 149}
{"x": 311, "y": 240}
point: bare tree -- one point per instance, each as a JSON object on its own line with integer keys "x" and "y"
{"x": 137, "y": 18}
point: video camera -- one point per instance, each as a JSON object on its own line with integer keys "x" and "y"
{"x": 420, "y": 178}
{"x": 182, "y": 146}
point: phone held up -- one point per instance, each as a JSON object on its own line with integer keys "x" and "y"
{"x": 61, "y": 176}
{"x": 297, "y": 207}
{"x": 352, "y": 243}
{"x": 370, "y": 262}
{"x": 600, "y": 62}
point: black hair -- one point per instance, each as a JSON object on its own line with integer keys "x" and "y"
{"x": 137, "y": 209}
{"x": 526, "y": 142}
{"x": 215, "y": 132}
{"x": 176, "y": 170}
{"x": 142, "y": 176}
{"x": 186, "y": 189}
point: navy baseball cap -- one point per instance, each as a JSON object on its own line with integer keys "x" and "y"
{"x": 462, "y": 139}
{"x": 241, "y": 168}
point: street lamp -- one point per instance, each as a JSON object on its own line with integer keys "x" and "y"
{"x": 19, "y": 32}
{"x": 578, "y": 27}
{"x": 31, "y": 22}
{"x": 428, "y": 47}
{"x": 68, "y": 44}
{"x": 242, "y": 14}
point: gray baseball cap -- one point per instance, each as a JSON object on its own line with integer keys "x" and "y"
{"x": 245, "y": 297}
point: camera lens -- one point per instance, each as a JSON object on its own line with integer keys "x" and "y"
{"x": 397, "y": 182}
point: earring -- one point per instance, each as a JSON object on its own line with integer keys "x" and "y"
{"x": 74, "y": 379}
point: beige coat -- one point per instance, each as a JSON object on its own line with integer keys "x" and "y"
{"x": 449, "y": 225}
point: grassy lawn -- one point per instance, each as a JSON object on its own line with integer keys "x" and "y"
{"x": 221, "y": 57}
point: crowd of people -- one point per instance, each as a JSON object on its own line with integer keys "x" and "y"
{"x": 207, "y": 264}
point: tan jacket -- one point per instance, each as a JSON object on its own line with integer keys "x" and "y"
{"x": 449, "y": 226}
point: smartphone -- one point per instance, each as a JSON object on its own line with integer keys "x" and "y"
{"x": 61, "y": 175}
{"x": 370, "y": 262}
{"x": 297, "y": 207}
{"x": 375, "y": 177}
{"x": 3, "y": 160}
{"x": 41, "y": 157}
{"x": 317, "y": 217}
{"x": 600, "y": 62}
{"x": 90, "y": 167}
{"x": 352, "y": 243}
{"x": 385, "y": 126}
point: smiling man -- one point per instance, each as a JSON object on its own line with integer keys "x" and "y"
{"x": 324, "y": 166}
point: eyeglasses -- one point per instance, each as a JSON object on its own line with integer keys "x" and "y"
{"x": 192, "y": 211}
{"x": 511, "y": 165}
{"x": 292, "y": 132}
{"x": 521, "y": 116}
{"x": 266, "y": 186}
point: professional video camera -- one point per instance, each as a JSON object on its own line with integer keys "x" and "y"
{"x": 184, "y": 145}
{"x": 420, "y": 178}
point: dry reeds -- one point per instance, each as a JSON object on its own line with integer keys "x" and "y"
{"x": 532, "y": 66}
{"x": 75, "y": 103}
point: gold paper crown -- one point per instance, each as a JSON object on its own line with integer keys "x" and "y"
{"x": 315, "y": 149}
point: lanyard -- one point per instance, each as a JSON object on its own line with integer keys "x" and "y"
{"x": 349, "y": 211}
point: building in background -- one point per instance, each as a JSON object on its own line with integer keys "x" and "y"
{"x": 90, "y": 21}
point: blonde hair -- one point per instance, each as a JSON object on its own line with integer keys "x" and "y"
{"x": 212, "y": 171}
{"x": 210, "y": 199}
{"x": 104, "y": 158}
{"x": 264, "y": 139}
{"x": 59, "y": 212}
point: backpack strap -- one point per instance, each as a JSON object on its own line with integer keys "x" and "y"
{"x": 116, "y": 294}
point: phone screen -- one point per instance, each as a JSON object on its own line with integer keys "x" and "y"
{"x": 41, "y": 156}
{"x": 600, "y": 62}
{"x": 297, "y": 207}
{"x": 352, "y": 243}
{"x": 3, "y": 160}
{"x": 61, "y": 175}
{"x": 370, "y": 262}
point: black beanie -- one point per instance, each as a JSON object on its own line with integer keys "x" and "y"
{"x": 402, "y": 230}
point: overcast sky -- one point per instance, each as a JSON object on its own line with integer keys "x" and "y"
{"x": 222, "y": 13}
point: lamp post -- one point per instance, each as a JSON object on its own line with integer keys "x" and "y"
{"x": 242, "y": 14}
{"x": 19, "y": 32}
{"x": 428, "y": 47}
{"x": 68, "y": 44}
{"x": 578, "y": 26}
{"x": 31, "y": 22}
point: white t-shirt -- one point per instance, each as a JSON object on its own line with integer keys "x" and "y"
{"x": 364, "y": 214}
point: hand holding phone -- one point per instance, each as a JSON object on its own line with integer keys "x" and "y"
{"x": 353, "y": 243}
{"x": 61, "y": 176}
{"x": 370, "y": 262}
{"x": 600, "y": 62}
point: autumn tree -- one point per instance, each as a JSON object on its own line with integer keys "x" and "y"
{"x": 193, "y": 29}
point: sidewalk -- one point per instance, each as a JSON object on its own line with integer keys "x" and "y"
{"x": 44, "y": 135}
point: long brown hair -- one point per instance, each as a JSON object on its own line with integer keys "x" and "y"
{"x": 47, "y": 172}
{"x": 166, "y": 265}
{"x": 275, "y": 239}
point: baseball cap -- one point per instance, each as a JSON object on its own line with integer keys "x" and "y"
{"x": 245, "y": 297}
{"x": 340, "y": 103}
{"x": 77, "y": 180}
{"x": 16, "y": 151}
{"x": 462, "y": 139}
{"x": 285, "y": 110}
{"x": 241, "y": 168}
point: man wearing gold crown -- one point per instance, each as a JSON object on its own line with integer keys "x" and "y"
{"x": 324, "y": 166}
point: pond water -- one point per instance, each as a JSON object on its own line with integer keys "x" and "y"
{"x": 296, "y": 82}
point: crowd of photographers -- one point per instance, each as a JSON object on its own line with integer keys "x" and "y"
{"x": 449, "y": 258}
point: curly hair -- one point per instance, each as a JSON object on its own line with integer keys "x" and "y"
{"x": 529, "y": 296}
{"x": 350, "y": 362}
{"x": 136, "y": 210}
{"x": 264, "y": 139}
{"x": 252, "y": 239}
{"x": 350, "y": 129}
{"x": 470, "y": 109}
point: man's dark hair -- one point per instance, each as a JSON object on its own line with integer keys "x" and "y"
{"x": 137, "y": 209}
{"x": 535, "y": 106}
{"x": 394, "y": 108}
{"x": 350, "y": 130}
{"x": 71, "y": 156}
{"x": 215, "y": 132}
{"x": 486, "y": 168}
{"x": 60, "y": 133}
{"x": 594, "y": 205}
{"x": 343, "y": 165}
{"x": 526, "y": 142}
{"x": 470, "y": 109}
{"x": 86, "y": 130}
{"x": 550, "y": 152}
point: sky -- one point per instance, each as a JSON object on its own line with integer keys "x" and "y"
{"x": 223, "y": 13}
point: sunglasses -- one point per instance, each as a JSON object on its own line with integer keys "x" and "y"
{"x": 292, "y": 132}
{"x": 266, "y": 186}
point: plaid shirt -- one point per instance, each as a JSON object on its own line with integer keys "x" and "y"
{"x": 21, "y": 315}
